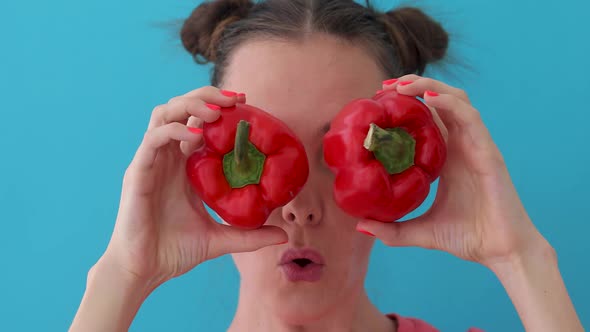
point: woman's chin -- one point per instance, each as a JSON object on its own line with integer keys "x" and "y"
{"x": 302, "y": 303}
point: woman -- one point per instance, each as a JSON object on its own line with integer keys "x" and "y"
{"x": 302, "y": 61}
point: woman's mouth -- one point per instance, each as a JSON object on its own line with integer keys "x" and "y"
{"x": 302, "y": 265}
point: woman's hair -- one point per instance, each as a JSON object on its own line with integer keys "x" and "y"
{"x": 403, "y": 40}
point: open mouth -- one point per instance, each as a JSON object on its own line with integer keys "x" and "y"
{"x": 301, "y": 257}
{"x": 302, "y": 265}
{"x": 302, "y": 262}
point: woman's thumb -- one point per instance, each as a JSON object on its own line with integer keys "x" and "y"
{"x": 229, "y": 239}
{"x": 412, "y": 233}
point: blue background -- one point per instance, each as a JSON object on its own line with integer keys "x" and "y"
{"x": 78, "y": 81}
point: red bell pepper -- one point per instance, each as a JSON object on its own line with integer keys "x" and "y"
{"x": 385, "y": 153}
{"x": 250, "y": 164}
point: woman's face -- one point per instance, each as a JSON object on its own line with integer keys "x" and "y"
{"x": 305, "y": 84}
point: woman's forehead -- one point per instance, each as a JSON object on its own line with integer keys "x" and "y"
{"x": 314, "y": 62}
{"x": 304, "y": 83}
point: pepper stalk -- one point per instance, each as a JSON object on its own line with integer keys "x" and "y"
{"x": 244, "y": 164}
{"x": 395, "y": 148}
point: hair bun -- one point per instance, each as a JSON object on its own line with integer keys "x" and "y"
{"x": 202, "y": 30}
{"x": 419, "y": 39}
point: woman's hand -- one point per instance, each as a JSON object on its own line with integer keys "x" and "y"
{"x": 477, "y": 214}
{"x": 162, "y": 228}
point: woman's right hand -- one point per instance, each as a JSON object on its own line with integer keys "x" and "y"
{"x": 162, "y": 228}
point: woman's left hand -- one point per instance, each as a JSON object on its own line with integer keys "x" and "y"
{"x": 477, "y": 214}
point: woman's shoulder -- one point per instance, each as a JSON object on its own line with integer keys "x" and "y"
{"x": 412, "y": 324}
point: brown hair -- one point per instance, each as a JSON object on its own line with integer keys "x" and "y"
{"x": 403, "y": 40}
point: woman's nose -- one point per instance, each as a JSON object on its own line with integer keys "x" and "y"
{"x": 303, "y": 209}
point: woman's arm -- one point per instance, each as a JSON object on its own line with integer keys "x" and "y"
{"x": 535, "y": 286}
{"x": 162, "y": 229}
{"x": 111, "y": 300}
{"x": 477, "y": 214}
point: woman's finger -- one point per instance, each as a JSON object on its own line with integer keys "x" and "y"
{"x": 440, "y": 124}
{"x": 158, "y": 137}
{"x": 213, "y": 95}
{"x": 242, "y": 98}
{"x": 460, "y": 117}
{"x": 188, "y": 147}
{"x": 413, "y": 233}
{"x": 228, "y": 239}
{"x": 392, "y": 84}
{"x": 203, "y": 103}
{"x": 179, "y": 109}
{"x": 414, "y": 85}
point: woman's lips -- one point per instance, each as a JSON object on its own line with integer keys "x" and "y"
{"x": 302, "y": 265}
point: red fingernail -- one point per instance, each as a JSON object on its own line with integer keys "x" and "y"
{"x": 228, "y": 93}
{"x": 431, "y": 93}
{"x": 241, "y": 94}
{"x": 213, "y": 107}
{"x": 405, "y": 83}
{"x": 365, "y": 232}
{"x": 379, "y": 91}
{"x": 390, "y": 82}
{"x": 195, "y": 130}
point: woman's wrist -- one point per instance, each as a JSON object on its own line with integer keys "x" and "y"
{"x": 108, "y": 268}
{"x": 534, "y": 250}
{"x": 522, "y": 264}
{"x": 534, "y": 284}
{"x": 112, "y": 298}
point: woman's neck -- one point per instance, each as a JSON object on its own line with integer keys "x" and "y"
{"x": 350, "y": 314}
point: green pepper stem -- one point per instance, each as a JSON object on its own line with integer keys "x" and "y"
{"x": 241, "y": 145}
{"x": 395, "y": 148}
{"x": 244, "y": 164}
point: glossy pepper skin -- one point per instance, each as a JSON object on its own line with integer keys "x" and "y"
{"x": 385, "y": 153}
{"x": 250, "y": 164}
